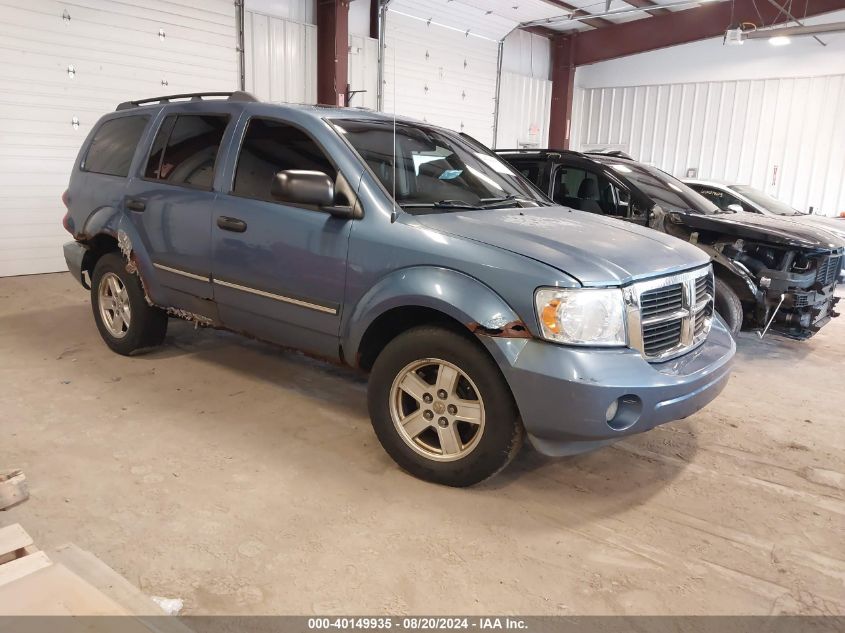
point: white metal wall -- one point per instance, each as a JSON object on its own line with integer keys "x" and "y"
{"x": 363, "y": 71}
{"x": 439, "y": 74}
{"x": 62, "y": 66}
{"x": 524, "y": 108}
{"x": 786, "y": 136}
{"x": 281, "y": 58}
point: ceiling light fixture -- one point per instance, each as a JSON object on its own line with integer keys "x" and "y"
{"x": 779, "y": 40}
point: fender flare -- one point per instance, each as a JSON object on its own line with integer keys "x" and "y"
{"x": 455, "y": 294}
{"x": 112, "y": 222}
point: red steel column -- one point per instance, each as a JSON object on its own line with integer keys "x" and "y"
{"x": 332, "y": 51}
{"x": 563, "y": 87}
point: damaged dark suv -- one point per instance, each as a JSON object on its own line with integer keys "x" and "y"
{"x": 770, "y": 274}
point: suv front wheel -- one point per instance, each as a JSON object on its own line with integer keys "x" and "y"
{"x": 124, "y": 318}
{"x": 441, "y": 408}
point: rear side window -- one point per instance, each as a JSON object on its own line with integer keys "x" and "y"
{"x": 185, "y": 149}
{"x": 271, "y": 146}
{"x": 114, "y": 144}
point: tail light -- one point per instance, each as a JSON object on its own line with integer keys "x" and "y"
{"x": 67, "y": 221}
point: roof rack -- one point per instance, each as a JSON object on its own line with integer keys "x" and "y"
{"x": 535, "y": 150}
{"x": 238, "y": 95}
{"x": 614, "y": 153}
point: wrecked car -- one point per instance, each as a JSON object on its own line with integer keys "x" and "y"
{"x": 736, "y": 197}
{"x": 481, "y": 312}
{"x": 771, "y": 274}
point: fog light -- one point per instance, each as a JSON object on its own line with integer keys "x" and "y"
{"x": 611, "y": 410}
{"x": 624, "y": 412}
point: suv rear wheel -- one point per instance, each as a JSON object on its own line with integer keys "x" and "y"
{"x": 124, "y": 318}
{"x": 441, "y": 408}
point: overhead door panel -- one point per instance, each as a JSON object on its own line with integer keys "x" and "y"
{"x": 443, "y": 74}
{"x": 71, "y": 63}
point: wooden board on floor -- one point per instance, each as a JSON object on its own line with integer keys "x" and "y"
{"x": 20, "y": 567}
{"x": 13, "y": 539}
{"x": 55, "y": 590}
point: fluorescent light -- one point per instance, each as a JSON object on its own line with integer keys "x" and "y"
{"x": 779, "y": 40}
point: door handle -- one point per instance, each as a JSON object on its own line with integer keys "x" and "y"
{"x": 133, "y": 204}
{"x": 231, "y": 224}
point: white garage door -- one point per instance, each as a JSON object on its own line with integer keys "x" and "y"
{"x": 440, "y": 64}
{"x": 62, "y": 66}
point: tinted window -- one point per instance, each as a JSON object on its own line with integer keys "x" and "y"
{"x": 185, "y": 149}
{"x": 665, "y": 190}
{"x": 766, "y": 201}
{"x": 272, "y": 146}
{"x": 530, "y": 169}
{"x": 114, "y": 145}
{"x": 588, "y": 191}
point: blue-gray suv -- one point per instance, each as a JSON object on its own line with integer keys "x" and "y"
{"x": 482, "y": 311}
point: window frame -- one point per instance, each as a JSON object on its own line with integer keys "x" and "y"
{"x": 299, "y": 128}
{"x": 83, "y": 164}
{"x": 184, "y": 185}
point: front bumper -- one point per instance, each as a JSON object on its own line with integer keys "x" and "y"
{"x": 74, "y": 254}
{"x": 563, "y": 393}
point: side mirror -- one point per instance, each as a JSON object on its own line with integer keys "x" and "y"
{"x": 312, "y": 188}
{"x": 736, "y": 208}
{"x": 300, "y": 186}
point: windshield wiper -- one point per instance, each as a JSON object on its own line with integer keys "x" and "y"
{"x": 442, "y": 204}
{"x": 505, "y": 201}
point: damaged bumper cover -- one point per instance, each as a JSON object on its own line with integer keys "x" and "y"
{"x": 74, "y": 254}
{"x": 800, "y": 304}
{"x": 565, "y": 394}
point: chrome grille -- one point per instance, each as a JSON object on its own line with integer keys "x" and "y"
{"x": 669, "y": 316}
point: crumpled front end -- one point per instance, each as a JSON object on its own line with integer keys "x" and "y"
{"x": 796, "y": 287}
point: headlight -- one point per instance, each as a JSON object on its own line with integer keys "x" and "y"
{"x": 582, "y": 316}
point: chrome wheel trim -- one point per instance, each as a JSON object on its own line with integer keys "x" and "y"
{"x": 113, "y": 301}
{"x": 431, "y": 413}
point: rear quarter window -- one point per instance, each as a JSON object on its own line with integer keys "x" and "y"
{"x": 113, "y": 147}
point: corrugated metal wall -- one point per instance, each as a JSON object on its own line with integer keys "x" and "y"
{"x": 363, "y": 71}
{"x": 439, "y": 75}
{"x": 524, "y": 109}
{"x": 281, "y": 58}
{"x": 63, "y": 65}
{"x": 786, "y": 136}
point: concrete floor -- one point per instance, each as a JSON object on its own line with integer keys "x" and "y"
{"x": 245, "y": 479}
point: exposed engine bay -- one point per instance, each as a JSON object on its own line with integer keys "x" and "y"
{"x": 794, "y": 287}
{"x": 783, "y": 287}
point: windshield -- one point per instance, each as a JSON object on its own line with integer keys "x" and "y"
{"x": 669, "y": 192}
{"x": 437, "y": 170}
{"x": 764, "y": 200}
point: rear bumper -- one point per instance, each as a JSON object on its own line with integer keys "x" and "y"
{"x": 74, "y": 254}
{"x": 563, "y": 393}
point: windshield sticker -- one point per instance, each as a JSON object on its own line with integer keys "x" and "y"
{"x": 451, "y": 174}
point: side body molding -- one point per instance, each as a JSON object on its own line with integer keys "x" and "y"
{"x": 453, "y": 293}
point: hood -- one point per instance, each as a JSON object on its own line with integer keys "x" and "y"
{"x": 761, "y": 228}
{"x": 594, "y": 249}
{"x": 832, "y": 226}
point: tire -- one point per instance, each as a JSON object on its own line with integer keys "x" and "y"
{"x": 146, "y": 324}
{"x": 728, "y": 306}
{"x": 472, "y": 433}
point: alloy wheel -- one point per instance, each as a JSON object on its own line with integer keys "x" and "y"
{"x": 113, "y": 301}
{"x": 437, "y": 409}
